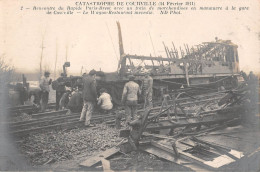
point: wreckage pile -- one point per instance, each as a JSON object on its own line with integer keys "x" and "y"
{"x": 47, "y": 148}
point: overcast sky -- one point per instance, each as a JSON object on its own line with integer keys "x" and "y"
{"x": 89, "y": 44}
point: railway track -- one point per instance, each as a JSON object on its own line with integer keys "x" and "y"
{"x": 60, "y": 120}
{"x": 14, "y": 111}
{"x": 66, "y": 122}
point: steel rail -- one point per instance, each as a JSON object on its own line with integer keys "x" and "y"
{"x": 24, "y": 132}
{"x": 13, "y": 111}
{"x": 49, "y": 120}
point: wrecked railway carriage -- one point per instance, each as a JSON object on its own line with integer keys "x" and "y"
{"x": 210, "y": 64}
{"x": 204, "y": 67}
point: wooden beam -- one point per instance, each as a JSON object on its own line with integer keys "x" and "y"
{"x": 166, "y": 59}
{"x": 96, "y": 159}
{"x": 184, "y": 155}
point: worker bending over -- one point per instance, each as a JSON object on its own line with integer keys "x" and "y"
{"x": 105, "y": 100}
{"x": 36, "y": 93}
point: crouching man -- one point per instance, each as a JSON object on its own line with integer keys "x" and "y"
{"x": 75, "y": 102}
{"x": 36, "y": 93}
{"x": 105, "y": 100}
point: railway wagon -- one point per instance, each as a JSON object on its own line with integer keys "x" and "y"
{"x": 202, "y": 67}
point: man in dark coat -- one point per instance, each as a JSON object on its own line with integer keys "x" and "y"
{"x": 75, "y": 102}
{"x": 60, "y": 90}
{"x": 89, "y": 93}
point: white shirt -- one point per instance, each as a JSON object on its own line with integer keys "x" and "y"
{"x": 105, "y": 101}
{"x": 44, "y": 84}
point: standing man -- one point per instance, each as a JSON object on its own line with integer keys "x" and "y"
{"x": 45, "y": 89}
{"x": 89, "y": 96}
{"x": 129, "y": 98}
{"x": 147, "y": 88}
{"x": 60, "y": 90}
{"x": 253, "y": 87}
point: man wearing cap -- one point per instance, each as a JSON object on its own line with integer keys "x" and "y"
{"x": 45, "y": 89}
{"x": 147, "y": 88}
{"x": 129, "y": 98}
{"x": 89, "y": 96}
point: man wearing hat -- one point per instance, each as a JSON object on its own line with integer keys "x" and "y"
{"x": 89, "y": 93}
{"x": 130, "y": 97}
{"x": 45, "y": 89}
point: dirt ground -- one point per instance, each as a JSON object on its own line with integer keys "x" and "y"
{"x": 135, "y": 161}
{"x": 65, "y": 150}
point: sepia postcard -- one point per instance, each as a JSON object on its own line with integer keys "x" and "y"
{"x": 136, "y": 85}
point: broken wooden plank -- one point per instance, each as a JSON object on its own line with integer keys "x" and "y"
{"x": 159, "y": 136}
{"x": 212, "y": 165}
{"x": 170, "y": 157}
{"x": 182, "y": 154}
{"x": 96, "y": 159}
{"x": 234, "y": 154}
{"x": 203, "y": 148}
{"x": 106, "y": 165}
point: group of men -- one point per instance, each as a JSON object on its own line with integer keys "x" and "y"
{"x": 131, "y": 92}
{"x": 89, "y": 94}
{"x": 130, "y": 95}
{"x": 41, "y": 96}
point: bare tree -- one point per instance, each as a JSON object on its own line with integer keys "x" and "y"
{"x": 47, "y": 67}
{"x": 56, "y": 59}
{"x": 6, "y": 70}
{"x": 42, "y": 47}
{"x": 6, "y": 73}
